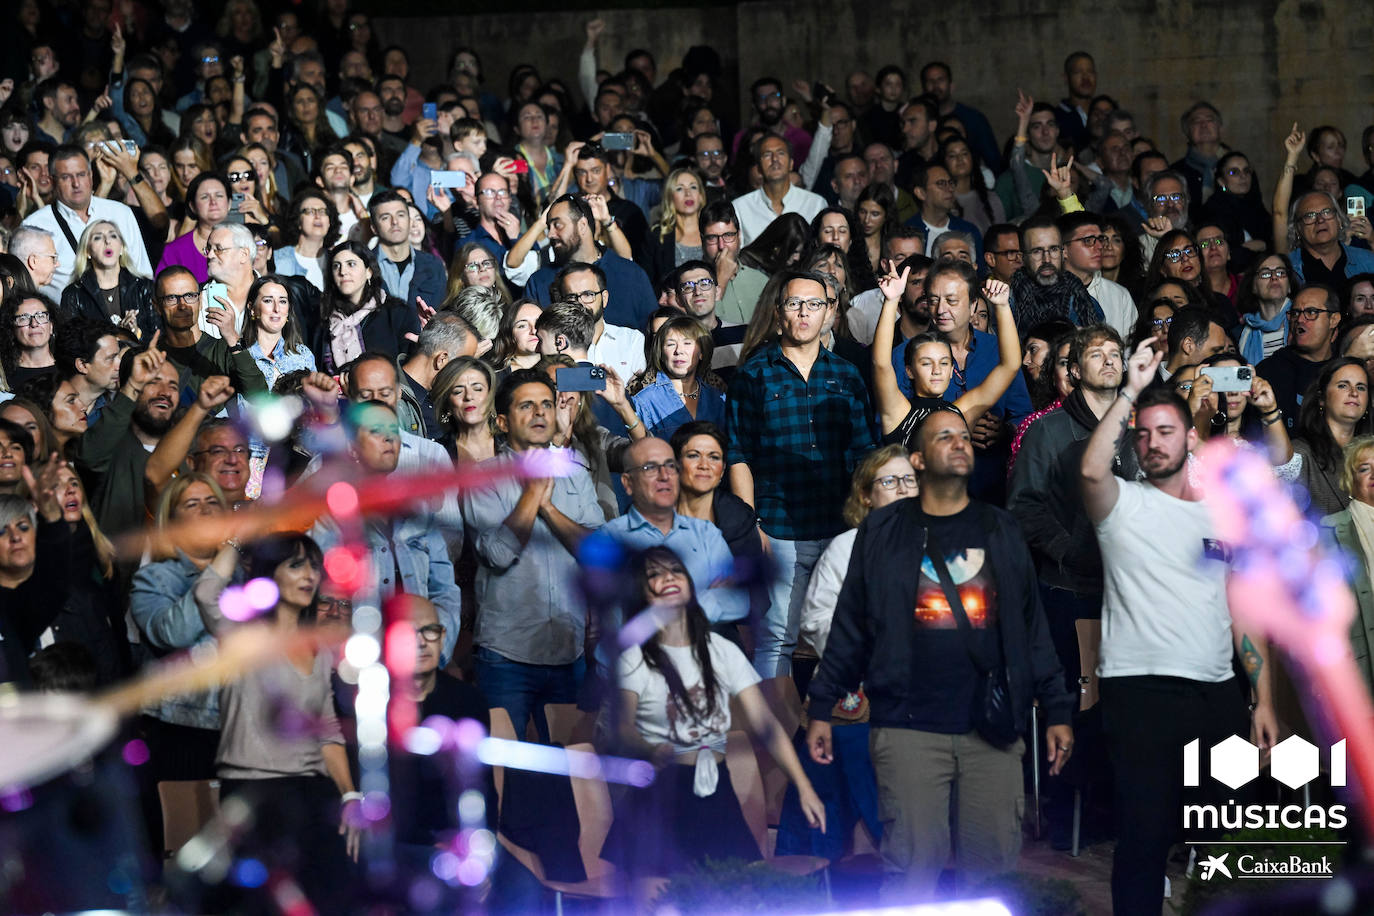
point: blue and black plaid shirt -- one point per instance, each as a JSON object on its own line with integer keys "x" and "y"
{"x": 801, "y": 438}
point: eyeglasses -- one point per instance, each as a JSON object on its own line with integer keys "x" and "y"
{"x": 184, "y": 298}
{"x": 653, "y": 467}
{"x": 764, "y": 97}
{"x": 1204, "y": 244}
{"x": 476, "y": 266}
{"x": 1174, "y": 255}
{"x": 217, "y": 250}
{"x": 1311, "y": 216}
{"x": 314, "y": 211}
{"x": 209, "y": 59}
{"x": 1184, "y": 386}
{"x": 432, "y": 632}
{"x": 240, "y": 176}
{"x": 1042, "y": 253}
{"x": 498, "y": 193}
{"x": 1091, "y": 241}
{"x": 811, "y": 305}
{"x": 710, "y": 154}
{"x": 1163, "y": 199}
{"x": 890, "y": 481}
{"x": 689, "y": 286}
{"x": 1161, "y": 322}
{"x": 1273, "y": 273}
{"x": 1310, "y": 313}
{"x": 586, "y": 297}
{"x": 32, "y": 320}
{"x": 1011, "y": 254}
{"x": 724, "y": 237}
{"x": 333, "y": 607}
{"x": 219, "y": 452}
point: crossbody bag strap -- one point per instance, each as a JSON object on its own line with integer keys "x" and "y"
{"x": 66, "y": 230}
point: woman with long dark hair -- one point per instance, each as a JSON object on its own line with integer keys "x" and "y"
{"x": 876, "y": 212}
{"x": 673, "y": 708}
{"x": 677, "y": 384}
{"x": 311, "y": 227}
{"x": 780, "y": 246}
{"x": 1265, "y": 296}
{"x": 1237, "y": 206}
{"x": 964, "y": 165}
{"x": 1334, "y": 411}
{"x": 306, "y": 124}
{"x": 839, "y": 229}
{"x": 1122, "y": 261}
{"x": 516, "y": 345}
{"x": 357, "y": 314}
{"x": 1178, "y": 257}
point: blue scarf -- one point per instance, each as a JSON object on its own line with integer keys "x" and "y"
{"x": 1254, "y": 327}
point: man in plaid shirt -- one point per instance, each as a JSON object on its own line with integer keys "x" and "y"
{"x": 798, "y": 421}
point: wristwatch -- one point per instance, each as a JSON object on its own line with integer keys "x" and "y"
{"x": 137, "y": 179}
{"x": 608, "y": 224}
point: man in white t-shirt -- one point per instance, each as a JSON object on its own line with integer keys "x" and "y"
{"x": 1167, "y": 634}
{"x": 620, "y": 348}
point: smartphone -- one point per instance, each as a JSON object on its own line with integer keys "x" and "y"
{"x": 130, "y": 147}
{"x": 1354, "y": 207}
{"x": 210, "y": 291}
{"x": 1229, "y": 378}
{"x": 429, "y": 111}
{"x": 522, "y": 166}
{"x": 582, "y": 378}
{"x": 235, "y": 201}
{"x": 819, "y": 94}
{"x": 620, "y": 141}
{"x": 446, "y": 179}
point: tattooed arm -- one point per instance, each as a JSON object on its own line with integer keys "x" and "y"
{"x": 1254, "y": 657}
{"x": 1095, "y": 471}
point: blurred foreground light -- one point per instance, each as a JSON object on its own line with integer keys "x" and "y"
{"x": 342, "y": 499}
{"x": 424, "y": 741}
{"x": 344, "y": 568}
{"x": 275, "y": 416}
{"x": 987, "y": 907}
{"x": 522, "y": 755}
{"x": 362, "y": 650}
{"x": 261, "y": 593}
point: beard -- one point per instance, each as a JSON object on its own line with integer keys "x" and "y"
{"x": 1044, "y": 278}
{"x": 770, "y": 116}
{"x": 394, "y": 107}
{"x": 563, "y": 251}
{"x": 146, "y": 422}
{"x": 1162, "y": 471}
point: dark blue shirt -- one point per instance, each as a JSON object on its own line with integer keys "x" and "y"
{"x": 632, "y": 298}
{"x": 801, "y": 438}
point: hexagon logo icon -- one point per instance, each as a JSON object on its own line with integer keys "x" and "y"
{"x": 1294, "y": 762}
{"x": 1234, "y": 762}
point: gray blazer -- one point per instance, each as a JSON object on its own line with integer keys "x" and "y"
{"x": 1339, "y": 531}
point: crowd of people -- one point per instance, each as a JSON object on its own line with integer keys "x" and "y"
{"x": 854, "y": 331}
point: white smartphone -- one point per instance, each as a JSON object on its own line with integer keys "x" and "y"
{"x": 1229, "y": 378}
{"x": 1354, "y": 207}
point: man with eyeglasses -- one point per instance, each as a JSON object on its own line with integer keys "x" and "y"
{"x": 498, "y": 227}
{"x": 1315, "y": 226}
{"x": 696, "y": 294}
{"x": 1044, "y": 497}
{"x": 1084, "y": 241}
{"x": 531, "y": 619}
{"x": 612, "y": 345}
{"x": 797, "y": 420}
{"x": 1313, "y": 326}
{"x": 408, "y": 273}
{"x": 651, "y": 477}
{"x": 568, "y": 222}
{"x": 934, "y": 190}
{"x": 1042, "y": 289}
{"x": 36, "y": 249}
{"x": 896, "y": 630}
{"x": 229, "y": 254}
{"x": 710, "y": 158}
{"x": 196, "y": 354}
{"x": 768, "y": 102}
{"x": 1201, "y": 125}
{"x": 777, "y": 195}
{"x": 1002, "y": 251}
{"x": 738, "y": 285}
{"x": 73, "y": 207}
{"x": 1167, "y": 205}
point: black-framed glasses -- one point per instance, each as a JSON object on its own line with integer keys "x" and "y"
{"x": 811, "y": 305}
{"x": 586, "y": 297}
{"x": 891, "y": 480}
{"x": 724, "y": 237}
{"x": 1091, "y": 241}
{"x": 1273, "y": 273}
{"x": 652, "y": 468}
{"x": 1311, "y": 313}
{"x": 240, "y": 176}
{"x": 690, "y": 286}
{"x": 1046, "y": 252}
{"x": 172, "y": 299}
{"x": 1011, "y": 254}
{"x": 32, "y": 320}
{"x": 1174, "y": 255}
{"x": 1312, "y": 216}
{"x": 430, "y": 632}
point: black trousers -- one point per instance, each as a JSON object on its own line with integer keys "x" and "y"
{"x": 1147, "y": 721}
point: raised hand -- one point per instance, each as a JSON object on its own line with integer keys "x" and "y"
{"x": 214, "y": 392}
{"x": 601, "y": 211}
{"x": 509, "y": 222}
{"x": 440, "y": 198}
{"x": 424, "y": 311}
{"x": 1024, "y": 104}
{"x": 1262, "y": 395}
{"x": 1141, "y": 367}
{"x": 43, "y": 488}
{"x": 802, "y": 90}
{"x": 277, "y": 49}
{"x": 321, "y": 390}
{"x": 224, "y": 318}
{"x": 595, "y": 28}
{"x": 614, "y": 392}
{"x": 117, "y": 42}
{"x": 236, "y": 66}
{"x": 997, "y": 292}
{"x": 1060, "y": 177}
{"x": 1157, "y": 226}
{"x": 146, "y": 366}
{"x": 1294, "y": 142}
{"x": 643, "y": 145}
{"x": 892, "y": 284}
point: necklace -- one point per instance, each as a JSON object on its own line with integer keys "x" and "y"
{"x": 694, "y": 393}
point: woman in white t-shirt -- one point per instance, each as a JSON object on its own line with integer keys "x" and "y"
{"x": 675, "y": 692}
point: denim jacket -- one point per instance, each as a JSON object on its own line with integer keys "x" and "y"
{"x": 168, "y": 620}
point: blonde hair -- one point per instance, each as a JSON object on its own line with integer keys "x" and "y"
{"x": 856, "y": 507}
{"x": 443, "y": 386}
{"x": 83, "y": 250}
{"x": 1353, "y": 451}
{"x": 458, "y": 275}
{"x": 668, "y": 217}
{"x": 163, "y": 547}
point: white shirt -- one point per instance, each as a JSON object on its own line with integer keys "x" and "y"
{"x": 620, "y": 348}
{"x": 1164, "y": 609}
{"x": 823, "y": 591}
{"x": 755, "y": 210}
{"x": 864, "y": 310}
{"x": 1118, "y": 308}
{"x": 100, "y": 208}
{"x": 208, "y": 293}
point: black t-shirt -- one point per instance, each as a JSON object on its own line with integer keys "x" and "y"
{"x": 943, "y": 675}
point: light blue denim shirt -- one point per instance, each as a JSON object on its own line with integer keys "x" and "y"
{"x": 282, "y": 362}
{"x": 164, "y": 608}
{"x": 662, "y": 410}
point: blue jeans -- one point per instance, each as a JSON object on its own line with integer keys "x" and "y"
{"x": 522, "y": 690}
{"x": 793, "y": 562}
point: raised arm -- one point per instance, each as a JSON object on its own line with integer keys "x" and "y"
{"x": 1275, "y": 432}
{"x": 1099, "y": 485}
{"x": 1283, "y": 192}
{"x": 893, "y": 406}
{"x": 979, "y": 400}
{"x": 173, "y": 448}
{"x": 525, "y": 244}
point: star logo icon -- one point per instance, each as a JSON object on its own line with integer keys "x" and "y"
{"x": 1214, "y": 865}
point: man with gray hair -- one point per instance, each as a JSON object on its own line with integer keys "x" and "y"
{"x": 954, "y": 245}
{"x": 1316, "y": 225}
{"x": 224, "y": 298}
{"x": 1201, "y": 125}
{"x": 481, "y": 307}
{"x": 1167, "y": 202}
{"x": 36, "y": 249}
{"x": 447, "y": 337}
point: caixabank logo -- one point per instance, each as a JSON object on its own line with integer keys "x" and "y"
{"x": 1235, "y": 762}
